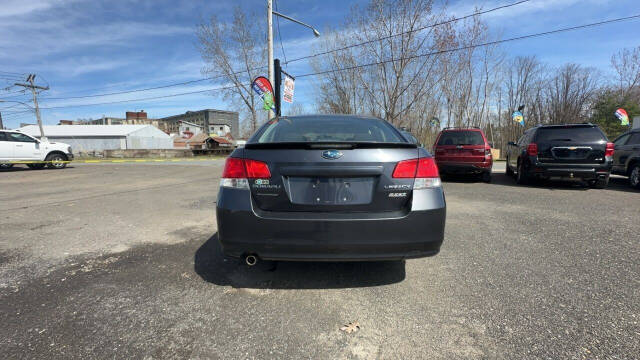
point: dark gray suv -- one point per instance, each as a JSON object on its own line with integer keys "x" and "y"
{"x": 330, "y": 187}
{"x": 626, "y": 159}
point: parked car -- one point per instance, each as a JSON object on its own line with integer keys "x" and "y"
{"x": 568, "y": 152}
{"x": 16, "y": 148}
{"x": 463, "y": 151}
{"x": 330, "y": 187}
{"x": 626, "y": 159}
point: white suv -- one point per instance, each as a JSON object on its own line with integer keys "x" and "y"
{"x": 16, "y": 148}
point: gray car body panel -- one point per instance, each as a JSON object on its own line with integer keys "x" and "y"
{"x": 397, "y": 223}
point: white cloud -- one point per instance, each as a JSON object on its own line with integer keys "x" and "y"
{"x": 12, "y": 8}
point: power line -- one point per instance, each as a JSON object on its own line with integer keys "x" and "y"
{"x": 280, "y": 33}
{"x": 408, "y": 31}
{"x": 284, "y": 55}
{"x": 545, "y": 33}
{"x": 495, "y": 42}
{"x": 141, "y": 99}
{"x": 151, "y": 88}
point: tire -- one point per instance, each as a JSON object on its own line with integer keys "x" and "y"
{"x": 35, "y": 166}
{"x": 634, "y": 176}
{"x": 600, "y": 183}
{"x": 486, "y": 177}
{"x": 56, "y": 161}
{"x": 5, "y": 166}
{"x": 521, "y": 176}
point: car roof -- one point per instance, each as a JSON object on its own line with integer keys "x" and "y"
{"x": 331, "y": 117}
{"x": 462, "y": 129}
{"x": 562, "y": 126}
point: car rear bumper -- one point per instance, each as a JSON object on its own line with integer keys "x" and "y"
{"x": 463, "y": 167}
{"x": 571, "y": 171}
{"x": 244, "y": 230}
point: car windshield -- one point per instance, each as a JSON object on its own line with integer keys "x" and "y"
{"x": 327, "y": 129}
{"x": 575, "y": 133}
{"x": 461, "y": 138}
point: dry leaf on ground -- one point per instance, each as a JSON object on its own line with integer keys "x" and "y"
{"x": 351, "y": 327}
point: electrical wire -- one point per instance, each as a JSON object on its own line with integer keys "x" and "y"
{"x": 517, "y": 38}
{"x": 409, "y": 31}
{"x": 495, "y": 42}
{"x": 284, "y": 55}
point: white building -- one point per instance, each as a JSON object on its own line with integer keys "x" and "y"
{"x": 104, "y": 137}
{"x": 188, "y": 129}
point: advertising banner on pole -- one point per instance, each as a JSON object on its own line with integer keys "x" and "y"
{"x": 262, "y": 86}
{"x": 289, "y": 84}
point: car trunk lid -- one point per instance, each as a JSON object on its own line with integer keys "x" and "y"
{"x": 571, "y": 145}
{"x": 333, "y": 178}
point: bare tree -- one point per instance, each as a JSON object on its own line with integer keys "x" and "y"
{"x": 570, "y": 93}
{"x": 626, "y": 64}
{"x": 234, "y": 53}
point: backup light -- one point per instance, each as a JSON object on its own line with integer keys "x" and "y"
{"x": 237, "y": 172}
{"x": 423, "y": 170}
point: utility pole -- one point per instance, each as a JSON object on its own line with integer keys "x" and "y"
{"x": 272, "y": 76}
{"x": 33, "y": 88}
{"x": 270, "y": 46}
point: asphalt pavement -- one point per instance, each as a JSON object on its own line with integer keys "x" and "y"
{"x": 121, "y": 261}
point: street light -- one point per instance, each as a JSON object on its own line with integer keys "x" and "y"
{"x": 315, "y": 31}
{"x": 270, "y": 14}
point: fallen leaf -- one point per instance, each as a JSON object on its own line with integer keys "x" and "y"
{"x": 351, "y": 327}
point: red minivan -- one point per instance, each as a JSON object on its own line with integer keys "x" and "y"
{"x": 463, "y": 151}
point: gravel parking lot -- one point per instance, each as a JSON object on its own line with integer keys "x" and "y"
{"x": 121, "y": 261}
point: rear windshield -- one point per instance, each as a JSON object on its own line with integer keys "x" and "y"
{"x": 311, "y": 129}
{"x": 577, "y": 133}
{"x": 461, "y": 138}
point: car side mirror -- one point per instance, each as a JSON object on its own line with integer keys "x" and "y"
{"x": 511, "y": 143}
{"x": 491, "y": 144}
{"x": 421, "y": 145}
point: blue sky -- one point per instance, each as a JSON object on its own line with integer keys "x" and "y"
{"x": 85, "y": 47}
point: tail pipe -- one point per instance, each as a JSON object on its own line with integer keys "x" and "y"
{"x": 251, "y": 260}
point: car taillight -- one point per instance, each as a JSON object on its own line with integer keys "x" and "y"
{"x": 608, "y": 152}
{"x": 532, "y": 149}
{"x": 237, "y": 172}
{"x": 424, "y": 171}
{"x": 234, "y": 169}
{"x": 487, "y": 151}
{"x": 257, "y": 169}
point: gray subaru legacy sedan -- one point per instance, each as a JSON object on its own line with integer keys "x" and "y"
{"x": 330, "y": 188}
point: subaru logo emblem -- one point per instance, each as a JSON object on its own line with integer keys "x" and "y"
{"x": 331, "y": 154}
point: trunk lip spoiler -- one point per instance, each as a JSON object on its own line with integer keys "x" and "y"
{"x": 330, "y": 145}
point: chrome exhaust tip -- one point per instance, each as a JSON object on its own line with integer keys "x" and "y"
{"x": 251, "y": 260}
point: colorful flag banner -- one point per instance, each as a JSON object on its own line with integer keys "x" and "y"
{"x": 621, "y": 114}
{"x": 262, "y": 86}
{"x": 518, "y": 117}
{"x": 289, "y": 84}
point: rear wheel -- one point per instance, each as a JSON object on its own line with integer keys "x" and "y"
{"x": 56, "y": 161}
{"x": 634, "y": 176}
{"x": 6, "y": 166}
{"x": 522, "y": 177}
{"x": 35, "y": 166}
{"x": 600, "y": 183}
